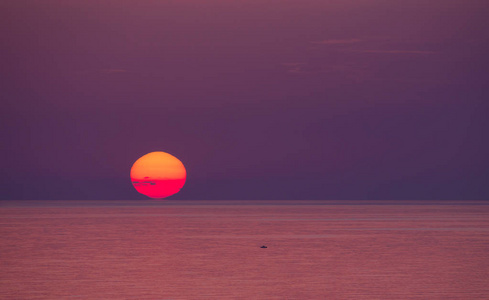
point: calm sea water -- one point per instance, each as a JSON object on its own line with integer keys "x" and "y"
{"x": 211, "y": 250}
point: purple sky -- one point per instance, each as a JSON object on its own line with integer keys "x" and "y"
{"x": 268, "y": 99}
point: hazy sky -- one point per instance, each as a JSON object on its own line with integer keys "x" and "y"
{"x": 260, "y": 99}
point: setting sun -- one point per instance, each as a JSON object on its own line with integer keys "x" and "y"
{"x": 158, "y": 175}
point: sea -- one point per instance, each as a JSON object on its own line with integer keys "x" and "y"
{"x": 216, "y": 249}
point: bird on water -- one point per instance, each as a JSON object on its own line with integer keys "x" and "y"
{"x": 263, "y": 246}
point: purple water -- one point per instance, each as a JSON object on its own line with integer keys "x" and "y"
{"x": 211, "y": 250}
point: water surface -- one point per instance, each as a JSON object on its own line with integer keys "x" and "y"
{"x": 211, "y": 250}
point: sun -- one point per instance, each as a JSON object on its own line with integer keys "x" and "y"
{"x": 158, "y": 175}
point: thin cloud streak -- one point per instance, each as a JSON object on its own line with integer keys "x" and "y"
{"x": 112, "y": 71}
{"x": 395, "y": 51}
{"x": 337, "y": 42}
{"x": 354, "y": 43}
{"x": 294, "y": 67}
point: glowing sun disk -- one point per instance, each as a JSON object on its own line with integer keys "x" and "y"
{"x": 158, "y": 175}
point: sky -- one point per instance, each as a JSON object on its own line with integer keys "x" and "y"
{"x": 260, "y": 99}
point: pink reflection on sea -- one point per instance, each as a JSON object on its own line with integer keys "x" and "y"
{"x": 211, "y": 250}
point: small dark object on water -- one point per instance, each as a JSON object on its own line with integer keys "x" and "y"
{"x": 263, "y": 246}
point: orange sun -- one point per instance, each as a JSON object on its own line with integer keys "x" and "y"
{"x": 158, "y": 175}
